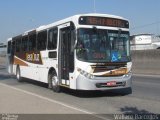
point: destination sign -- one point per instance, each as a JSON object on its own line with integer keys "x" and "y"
{"x": 103, "y": 21}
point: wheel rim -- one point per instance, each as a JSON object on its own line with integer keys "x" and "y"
{"x": 54, "y": 81}
{"x": 18, "y": 75}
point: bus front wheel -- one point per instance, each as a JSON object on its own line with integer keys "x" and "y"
{"x": 54, "y": 82}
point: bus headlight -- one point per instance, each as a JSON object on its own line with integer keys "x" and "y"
{"x": 128, "y": 74}
{"x": 84, "y": 73}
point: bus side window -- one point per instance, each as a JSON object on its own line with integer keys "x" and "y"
{"x": 13, "y": 46}
{"x": 52, "y": 39}
{"x": 24, "y": 43}
{"x": 9, "y": 47}
{"x": 32, "y": 42}
{"x": 41, "y": 40}
{"x": 18, "y": 44}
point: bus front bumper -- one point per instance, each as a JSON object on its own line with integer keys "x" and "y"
{"x": 101, "y": 83}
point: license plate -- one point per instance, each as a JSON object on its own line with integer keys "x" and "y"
{"x": 111, "y": 83}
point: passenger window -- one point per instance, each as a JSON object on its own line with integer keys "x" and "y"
{"x": 52, "y": 39}
{"x": 32, "y": 42}
{"x": 42, "y": 40}
{"x": 18, "y": 44}
{"x": 9, "y": 47}
{"x": 24, "y": 45}
{"x": 13, "y": 46}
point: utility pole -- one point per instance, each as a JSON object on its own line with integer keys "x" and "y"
{"x": 94, "y": 4}
{"x": 157, "y": 27}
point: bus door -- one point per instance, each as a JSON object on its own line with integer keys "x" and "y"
{"x": 66, "y": 56}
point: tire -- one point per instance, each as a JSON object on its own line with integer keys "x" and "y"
{"x": 53, "y": 82}
{"x": 18, "y": 75}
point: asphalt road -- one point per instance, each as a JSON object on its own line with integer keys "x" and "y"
{"x": 31, "y": 97}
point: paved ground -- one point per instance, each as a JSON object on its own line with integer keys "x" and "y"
{"x": 34, "y": 98}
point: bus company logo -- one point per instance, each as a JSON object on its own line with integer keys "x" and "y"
{"x": 33, "y": 57}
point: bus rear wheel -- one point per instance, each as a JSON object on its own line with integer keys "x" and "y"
{"x": 18, "y": 75}
{"x": 54, "y": 82}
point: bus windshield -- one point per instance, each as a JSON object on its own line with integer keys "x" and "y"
{"x": 97, "y": 45}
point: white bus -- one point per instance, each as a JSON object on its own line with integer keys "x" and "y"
{"x": 82, "y": 52}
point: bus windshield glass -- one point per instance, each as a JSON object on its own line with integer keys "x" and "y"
{"x": 97, "y": 45}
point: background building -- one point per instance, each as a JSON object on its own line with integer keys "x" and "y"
{"x": 3, "y": 49}
{"x": 144, "y": 42}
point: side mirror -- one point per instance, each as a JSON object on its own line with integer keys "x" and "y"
{"x": 73, "y": 42}
{"x": 75, "y": 45}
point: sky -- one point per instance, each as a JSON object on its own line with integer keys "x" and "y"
{"x": 18, "y": 16}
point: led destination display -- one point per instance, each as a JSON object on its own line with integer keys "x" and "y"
{"x": 103, "y": 21}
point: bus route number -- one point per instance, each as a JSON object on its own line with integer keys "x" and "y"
{"x": 99, "y": 55}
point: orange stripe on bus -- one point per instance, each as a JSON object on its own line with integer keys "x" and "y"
{"x": 19, "y": 62}
{"x": 117, "y": 72}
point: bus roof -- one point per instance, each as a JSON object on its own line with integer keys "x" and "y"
{"x": 9, "y": 39}
{"x": 72, "y": 18}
